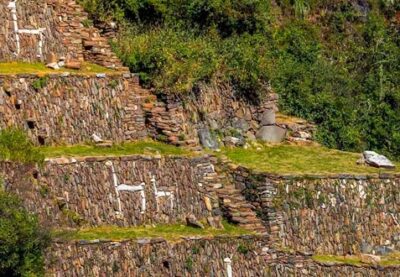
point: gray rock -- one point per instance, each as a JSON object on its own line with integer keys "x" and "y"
{"x": 382, "y": 250}
{"x": 207, "y": 139}
{"x": 366, "y": 248}
{"x": 233, "y": 141}
{"x": 192, "y": 221}
{"x": 272, "y": 134}
{"x": 215, "y": 222}
{"x": 101, "y": 75}
{"x": 268, "y": 118}
{"x": 241, "y": 124}
{"x": 250, "y": 136}
{"x": 374, "y": 159}
{"x": 213, "y": 124}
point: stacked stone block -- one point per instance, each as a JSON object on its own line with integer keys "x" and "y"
{"x": 60, "y": 109}
{"x": 340, "y": 214}
{"x": 67, "y": 33}
{"x": 251, "y": 256}
{"x": 81, "y": 191}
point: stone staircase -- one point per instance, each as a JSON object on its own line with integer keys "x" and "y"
{"x": 134, "y": 118}
{"x": 238, "y": 210}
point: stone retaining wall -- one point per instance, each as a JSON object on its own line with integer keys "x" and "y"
{"x": 335, "y": 215}
{"x": 59, "y": 109}
{"x": 72, "y": 192}
{"x": 214, "y": 115}
{"x": 250, "y": 256}
{"x": 206, "y": 116}
{"x": 67, "y": 33}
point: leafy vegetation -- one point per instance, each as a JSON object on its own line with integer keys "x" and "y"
{"x": 129, "y": 148}
{"x": 16, "y": 146}
{"x": 300, "y": 160}
{"x": 171, "y": 232}
{"x": 22, "y": 241}
{"x": 332, "y": 62}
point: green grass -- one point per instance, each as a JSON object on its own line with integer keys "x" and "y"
{"x": 169, "y": 232}
{"x": 303, "y": 160}
{"x": 392, "y": 259}
{"x": 130, "y": 148}
{"x": 352, "y": 260}
{"x": 41, "y": 69}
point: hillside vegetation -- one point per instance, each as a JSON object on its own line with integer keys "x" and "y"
{"x": 335, "y": 63}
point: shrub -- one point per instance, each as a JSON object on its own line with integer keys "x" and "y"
{"x": 16, "y": 146}
{"x": 40, "y": 83}
{"x": 22, "y": 242}
{"x": 332, "y": 62}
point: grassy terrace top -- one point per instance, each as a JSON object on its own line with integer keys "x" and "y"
{"x": 172, "y": 232}
{"x": 125, "y": 149}
{"x": 15, "y": 68}
{"x": 392, "y": 259}
{"x": 278, "y": 159}
{"x": 299, "y": 160}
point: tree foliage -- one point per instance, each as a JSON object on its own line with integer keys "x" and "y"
{"x": 333, "y": 62}
{"x": 22, "y": 242}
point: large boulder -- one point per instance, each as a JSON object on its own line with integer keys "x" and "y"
{"x": 273, "y": 134}
{"x": 374, "y": 159}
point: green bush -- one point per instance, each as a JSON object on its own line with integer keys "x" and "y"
{"x": 332, "y": 62}
{"x": 16, "y": 146}
{"x": 22, "y": 242}
{"x": 226, "y": 16}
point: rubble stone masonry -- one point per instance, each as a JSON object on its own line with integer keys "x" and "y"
{"x": 250, "y": 256}
{"x": 67, "y": 33}
{"x": 81, "y": 191}
{"x": 342, "y": 214}
{"x": 58, "y": 109}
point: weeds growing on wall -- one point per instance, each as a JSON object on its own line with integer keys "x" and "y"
{"x": 332, "y": 62}
{"x": 17, "y": 147}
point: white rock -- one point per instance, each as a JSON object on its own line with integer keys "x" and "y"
{"x": 54, "y": 66}
{"x": 97, "y": 138}
{"x": 374, "y": 159}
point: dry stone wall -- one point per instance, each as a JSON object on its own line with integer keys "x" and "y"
{"x": 341, "y": 214}
{"x": 67, "y": 32}
{"x": 214, "y": 115}
{"x": 206, "y": 116}
{"x": 73, "y": 192}
{"x": 59, "y": 109}
{"x": 250, "y": 256}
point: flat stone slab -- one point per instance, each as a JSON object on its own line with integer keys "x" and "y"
{"x": 376, "y": 160}
{"x": 273, "y": 134}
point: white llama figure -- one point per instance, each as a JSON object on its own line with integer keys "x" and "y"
{"x": 17, "y": 31}
{"x": 159, "y": 194}
{"x": 123, "y": 187}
